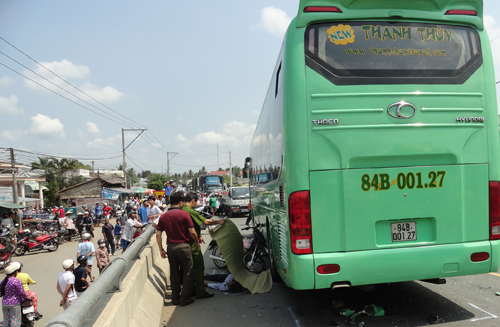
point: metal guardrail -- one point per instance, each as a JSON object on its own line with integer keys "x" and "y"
{"x": 109, "y": 279}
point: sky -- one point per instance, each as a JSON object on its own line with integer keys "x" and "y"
{"x": 194, "y": 73}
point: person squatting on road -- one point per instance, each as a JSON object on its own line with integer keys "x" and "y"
{"x": 12, "y": 291}
{"x": 86, "y": 248}
{"x": 66, "y": 284}
{"x": 101, "y": 255}
{"x": 191, "y": 200}
{"x": 81, "y": 283}
{"x": 178, "y": 226}
{"x": 107, "y": 232}
{"x": 26, "y": 281}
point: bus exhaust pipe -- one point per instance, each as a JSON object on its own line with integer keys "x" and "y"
{"x": 340, "y": 285}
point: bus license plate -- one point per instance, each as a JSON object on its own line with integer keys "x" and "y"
{"x": 406, "y": 231}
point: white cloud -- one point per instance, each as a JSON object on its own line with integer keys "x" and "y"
{"x": 106, "y": 94}
{"x": 69, "y": 71}
{"x": 92, "y": 127}
{"x": 10, "y": 135}
{"x": 273, "y": 20}
{"x": 180, "y": 138}
{"x": 6, "y": 80}
{"x": 102, "y": 143}
{"x": 45, "y": 126}
{"x": 234, "y": 134}
{"x": 8, "y": 106}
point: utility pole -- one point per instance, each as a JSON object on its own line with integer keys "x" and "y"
{"x": 124, "y": 166}
{"x": 14, "y": 184}
{"x": 218, "y": 156}
{"x": 168, "y": 161}
{"x": 92, "y": 169}
{"x": 230, "y": 170}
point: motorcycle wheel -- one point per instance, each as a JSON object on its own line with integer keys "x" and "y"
{"x": 20, "y": 250}
{"x": 258, "y": 264}
{"x": 219, "y": 263}
{"x": 55, "y": 246}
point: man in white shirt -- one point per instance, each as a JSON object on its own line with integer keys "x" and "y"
{"x": 129, "y": 229}
{"x": 153, "y": 210}
{"x": 66, "y": 284}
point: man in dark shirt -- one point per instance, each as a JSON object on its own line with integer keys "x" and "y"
{"x": 80, "y": 273}
{"x": 107, "y": 232}
{"x": 178, "y": 226}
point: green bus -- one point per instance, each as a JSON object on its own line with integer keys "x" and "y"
{"x": 376, "y": 157}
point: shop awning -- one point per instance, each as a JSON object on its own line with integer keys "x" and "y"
{"x": 10, "y": 205}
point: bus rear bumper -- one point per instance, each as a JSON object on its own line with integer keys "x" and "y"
{"x": 406, "y": 264}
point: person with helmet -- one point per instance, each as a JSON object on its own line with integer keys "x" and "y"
{"x": 81, "y": 283}
{"x": 101, "y": 255}
{"x": 12, "y": 291}
{"x": 26, "y": 281}
{"x": 86, "y": 248}
{"x": 66, "y": 284}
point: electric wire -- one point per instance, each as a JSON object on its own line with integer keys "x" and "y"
{"x": 90, "y": 104}
{"x": 38, "y": 63}
{"x": 62, "y": 96}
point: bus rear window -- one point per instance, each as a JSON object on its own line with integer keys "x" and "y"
{"x": 352, "y": 53}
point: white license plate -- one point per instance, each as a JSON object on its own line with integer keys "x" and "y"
{"x": 28, "y": 310}
{"x": 406, "y": 231}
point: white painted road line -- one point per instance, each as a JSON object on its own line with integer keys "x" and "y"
{"x": 489, "y": 317}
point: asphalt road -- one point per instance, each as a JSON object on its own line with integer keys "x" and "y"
{"x": 44, "y": 267}
{"x": 463, "y": 301}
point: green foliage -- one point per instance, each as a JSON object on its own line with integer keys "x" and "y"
{"x": 54, "y": 173}
{"x": 236, "y": 171}
{"x": 156, "y": 181}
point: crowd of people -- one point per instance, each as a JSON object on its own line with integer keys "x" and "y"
{"x": 172, "y": 214}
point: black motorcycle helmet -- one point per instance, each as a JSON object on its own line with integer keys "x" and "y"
{"x": 101, "y": 241}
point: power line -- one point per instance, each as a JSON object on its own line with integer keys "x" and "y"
{"x": 61, "y": 157}
{"x": 90, "y": 104}
{"x": 135, "y": 163}
{"x": 38, "y": 63}
{"x": 62, "y": 96}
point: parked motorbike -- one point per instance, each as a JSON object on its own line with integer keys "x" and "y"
{"x": 6, "y": 254}
{"x": 256, "y": 258}
{"x": 33, "y": 243}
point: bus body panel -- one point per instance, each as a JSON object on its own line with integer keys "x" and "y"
{"x": 348, "y": 218}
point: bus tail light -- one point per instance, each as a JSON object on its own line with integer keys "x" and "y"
{"x": 322, "y": 9}
{"x": 494, "y": 210}
{"x": 328, "y": 269}
{"x": 462, "y": 12}
{"x": 299, "y": 210}
{"x": 479, "y": 256}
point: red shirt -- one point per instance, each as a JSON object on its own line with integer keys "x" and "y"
{"x": 61, "y": 213}
{"x": 107, "y": 210}
{"x": 175, "y": 223}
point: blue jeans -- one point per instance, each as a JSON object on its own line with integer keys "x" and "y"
{"x": 112, "y": 245}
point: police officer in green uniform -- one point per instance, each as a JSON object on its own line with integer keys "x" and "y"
{"x": 198, "y": 265}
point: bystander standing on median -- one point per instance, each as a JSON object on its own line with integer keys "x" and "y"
{"x": 198, "y": 264}
{"x": 153, "y": 210}
{"x": 179, "y": 227}
{"x": 143, "y": 212}
{"x": 129, "y": 229}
